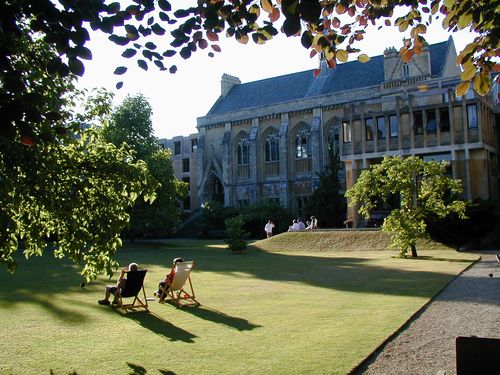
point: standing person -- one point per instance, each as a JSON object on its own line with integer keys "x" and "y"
{"x": 120, "y": 284}
{"x": 314, "y": 222}
{"x": 169, "y": 277}
{"x": 268, "y": 228}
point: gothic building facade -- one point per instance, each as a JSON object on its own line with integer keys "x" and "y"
{"x": 269, "y": 139}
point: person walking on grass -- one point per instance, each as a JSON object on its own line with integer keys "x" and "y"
{"x": 268, "y": 228}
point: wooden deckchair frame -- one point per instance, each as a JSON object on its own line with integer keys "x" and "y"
{"x": 137, "y": 303}
{"x": 183, "y": 293}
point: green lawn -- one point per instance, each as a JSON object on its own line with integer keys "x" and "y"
{"x": 262, "y": 312}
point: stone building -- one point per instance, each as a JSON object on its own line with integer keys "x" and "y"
{"x": 184, "y": 150}
{"x": 268, "y": 140}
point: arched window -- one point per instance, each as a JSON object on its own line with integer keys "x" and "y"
{"x": 333, "y": 137}
{"x": 243, "y": 154}
{"x": 272, "y": 148}
{"x": 302, "y": 145}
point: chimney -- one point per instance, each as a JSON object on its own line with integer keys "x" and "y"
{"x": 227, "y": 82}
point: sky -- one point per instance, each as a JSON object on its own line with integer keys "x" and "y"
{"x": 179, "y": 99}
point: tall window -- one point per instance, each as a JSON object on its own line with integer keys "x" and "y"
{"x": 243, "y": 152}
{"x": 194, "y": 144}
{"x": 393, "y": 124}
{"x": 185, "y": 165}
{"x": 472, "y": 116}
{"x": 417, "y": 122}
{"x": 346, "y": 131}
{"x": 302, "y": 145}
{"x": 381, "y": 132}
{"x": 369, "y": 128}
{"x": 177, "y": 148}
{"x": 444, "y": 120}
{"x": 333, "y": 137}
{"x": 431, "y": 121}
{"x": 272, "y": 148}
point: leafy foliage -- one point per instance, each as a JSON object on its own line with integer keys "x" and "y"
{"x": 424, "y": 189}
{"x": 235, "y": 235}
{"x": 61, "y": 188}
{"x": 131, "y": 127}
{"x": 327, "y": 203}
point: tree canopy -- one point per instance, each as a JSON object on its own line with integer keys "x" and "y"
{"x": 327, "y": 202}
{"x": 131, "y": 126}
{"x": 423, "y": 189}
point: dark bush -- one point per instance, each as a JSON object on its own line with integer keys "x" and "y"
{"x": 482, "y": 217}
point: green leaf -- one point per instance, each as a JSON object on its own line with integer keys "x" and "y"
{"x": 76, "y": 66}
{"x": 291, "y": 26}
{"x": 120, "y": 70}
{"x": 164, "y": 5}
{"x": 129, "y": 52}
{"x": 157, "y": 29}
{"x": 306, "y": 39}
{"x": 142, "y": 64}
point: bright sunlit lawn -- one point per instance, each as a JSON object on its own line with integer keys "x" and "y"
{"x": 262, "y": 312}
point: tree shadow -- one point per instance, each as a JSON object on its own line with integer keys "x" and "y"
{"x": 159, "y": 326}
{"x": 141, "y": 370}
{"x": 219, "y": 317}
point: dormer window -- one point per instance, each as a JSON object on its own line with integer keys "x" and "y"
{"x": 405, "y": 70}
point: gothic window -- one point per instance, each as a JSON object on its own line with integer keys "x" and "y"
{"x": 333, "y": 137}
{"x": 272, "y": 148}
{"x": 243, "y": 152}
{"x": 302, "y": 145}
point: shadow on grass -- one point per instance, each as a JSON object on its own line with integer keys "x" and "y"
{"x": 159, "y": 326}
{"x": 219, "y": 317}
{"x": 140, "y": 370}
{"x": 42, "y": 280}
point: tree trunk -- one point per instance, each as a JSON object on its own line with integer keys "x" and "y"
{"x": 413, "y": 251}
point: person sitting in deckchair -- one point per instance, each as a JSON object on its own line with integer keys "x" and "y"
{"x": 168, "y": 278}
{"x": 120, "y": 284}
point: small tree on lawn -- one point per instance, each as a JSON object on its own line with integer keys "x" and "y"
{"x": 235, "y": 235}
{"x": 424, "y": 189}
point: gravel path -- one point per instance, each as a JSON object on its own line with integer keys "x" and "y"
{"x": 469, "y": 306}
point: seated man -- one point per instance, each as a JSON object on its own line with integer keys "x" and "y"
{"x": 169, "y": 277}
{"x": 112, "y": 289}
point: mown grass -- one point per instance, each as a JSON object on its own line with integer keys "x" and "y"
{"x": 294, "y": 310}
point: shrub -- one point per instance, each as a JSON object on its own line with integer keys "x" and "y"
{"x": 235, "y": 235}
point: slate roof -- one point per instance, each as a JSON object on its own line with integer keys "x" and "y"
{"x": 302, "y": 85}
